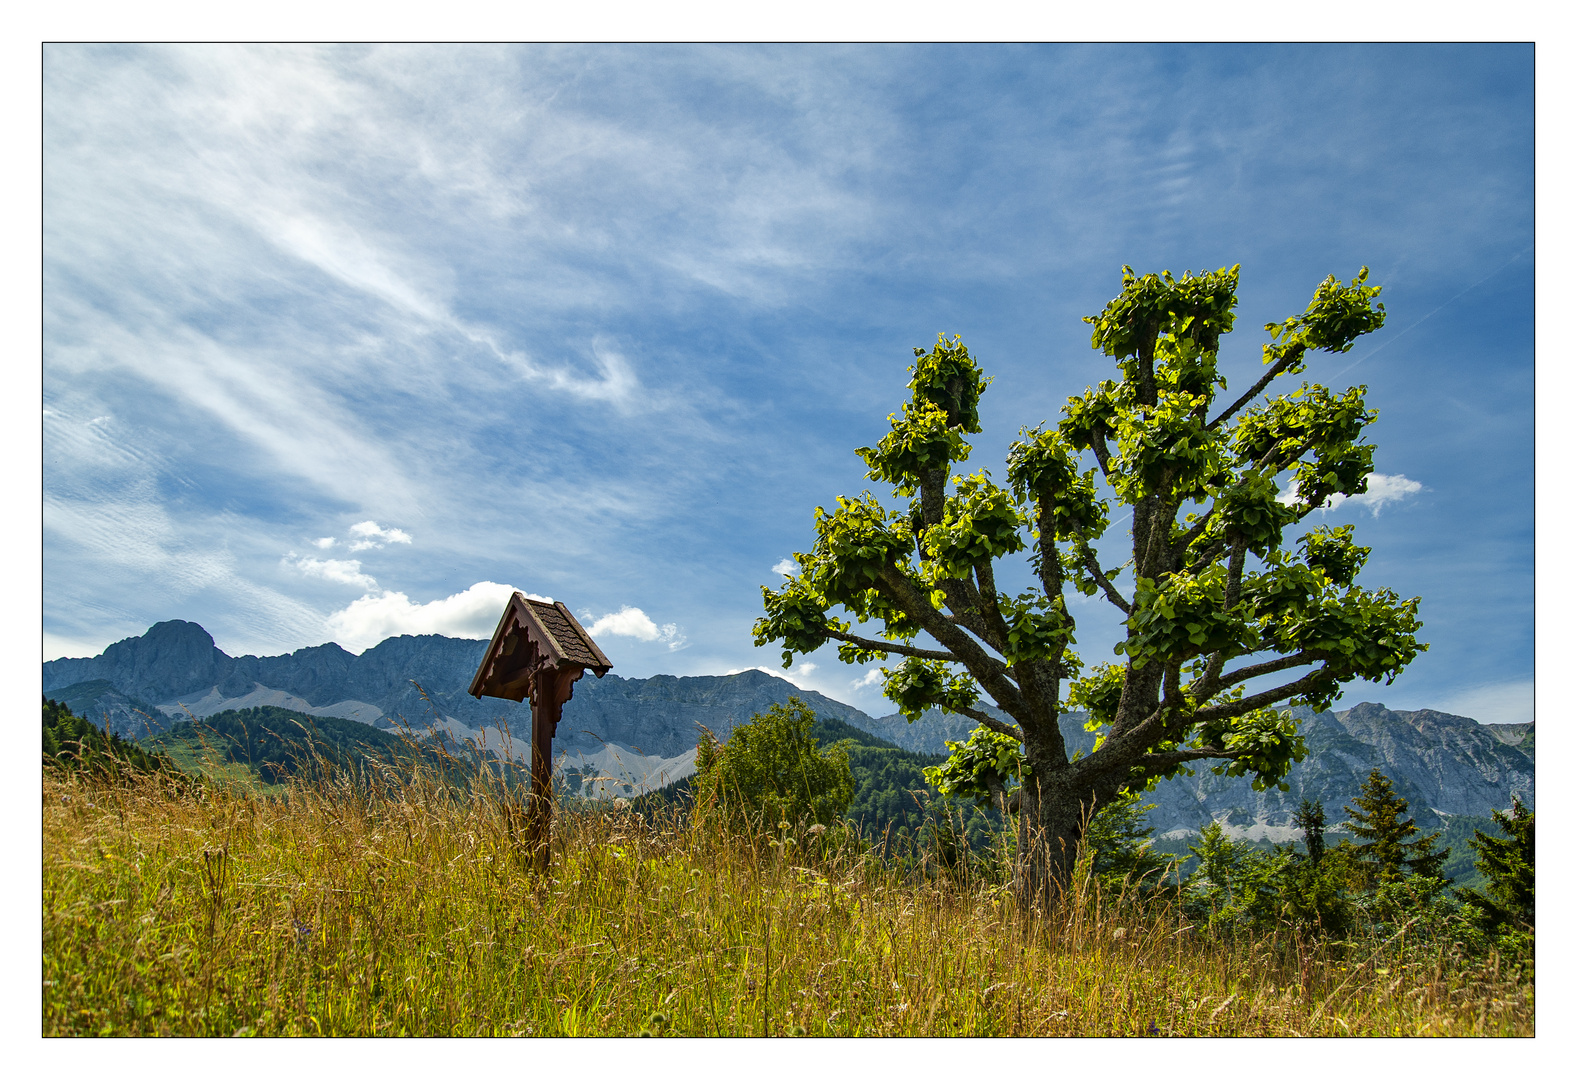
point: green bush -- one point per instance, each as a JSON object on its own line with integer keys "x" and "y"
{"x": 771, "y": 771}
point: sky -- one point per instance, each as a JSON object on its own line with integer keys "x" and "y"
{"x": 347, "y": 342}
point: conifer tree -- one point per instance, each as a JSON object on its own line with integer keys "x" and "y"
{"x": 1122, "y": 843}
{"x": 74, "y": 743}
{"x": 1310, "y": 817}
{"x": 1312, "y": 888}
{"x": 1379, "y": 818}
{"x": 1219, "y": 858}
{"x": 1507, "y": 864}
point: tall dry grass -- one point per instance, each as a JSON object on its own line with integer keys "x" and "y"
{"x": 404, "y": 907}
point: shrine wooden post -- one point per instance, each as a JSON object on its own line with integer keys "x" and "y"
{"x": 539, "y": 650}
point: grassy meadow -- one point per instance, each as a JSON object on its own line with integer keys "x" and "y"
{"x": 405, "y": 908}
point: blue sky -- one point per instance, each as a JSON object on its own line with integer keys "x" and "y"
{"x": 338, "y": 343}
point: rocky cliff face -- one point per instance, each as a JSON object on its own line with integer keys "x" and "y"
{"x": 1441, "y": 764}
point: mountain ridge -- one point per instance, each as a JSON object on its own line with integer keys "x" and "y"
{"x": 1443, "y": 764}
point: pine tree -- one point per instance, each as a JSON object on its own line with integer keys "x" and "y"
{"x": 1311, "y": 889}
{"x": 1121, "y": 844}
{"x": 1507, "y": 864}
{"x": 1310, "y": 817}
{"x": 1379, "y": 817}
{"x": 74, "y": 743}
{"x": 1219, "y": 856}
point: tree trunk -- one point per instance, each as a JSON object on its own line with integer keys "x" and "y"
{"x": 1051, "y": 822}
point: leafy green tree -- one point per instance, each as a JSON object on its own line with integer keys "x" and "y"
{"x": 1507, "y": 865}
{"x": 770, "y": 771}
{"x": 1378, "y": 817}
{"x": 1213, "y": 598}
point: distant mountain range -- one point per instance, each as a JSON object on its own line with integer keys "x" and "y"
{"x": 642, "y": 732}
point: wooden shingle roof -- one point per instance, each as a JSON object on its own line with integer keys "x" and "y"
{"x": 533, "y": 635}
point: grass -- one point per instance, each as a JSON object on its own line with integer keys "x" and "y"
{"x": 406, "y": 909}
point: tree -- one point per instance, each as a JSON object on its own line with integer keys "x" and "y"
{"x": 1219, "y": 857}
{"x": 1233, "y": 883}
{"x": 1213, "y": 600}
{"x": 73, "y": 743}
{"x": 1377, "y": 817}
{"x": 1310, "y": 817}
{"x": 1312, "y": 888}
{"x": 1507, "y": 865}
{"x": 1121, "y": 845}
{"x": 770, "y": 771}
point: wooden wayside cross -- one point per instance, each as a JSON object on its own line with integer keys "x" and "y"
{"x": 538, "y": 650}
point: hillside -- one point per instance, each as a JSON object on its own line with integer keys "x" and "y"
{"x": 99, "y": 701}
{"x": 267, "y": 746}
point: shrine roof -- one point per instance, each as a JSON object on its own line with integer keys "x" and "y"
{"x": 533, "y": 634}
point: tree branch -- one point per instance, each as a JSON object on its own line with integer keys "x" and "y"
{"x": 1208, "y": 556}
{"x": 1050, "y": 568}
{"x": 891, "y": 646}
{"x": 1098, "y": 448}
{"x": 1207, "y": 690}
{"x": 1196, "y": 531}
{"x": 1087, "y": 553}
{"x": 986, "y": 586}
{"x": 1228, "y": 709}
{"x": 1164, "y": 760}
{"x": 968, "y": 608}
{"x": 1277, "y": 368}
{"x": 991, "y": 672}
{"x": 986, "y": 720}
{"x": 1234, "y": 574}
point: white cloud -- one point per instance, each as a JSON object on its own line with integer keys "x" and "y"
{"x": 873, "y": 677}
{"x": 343, "y": 571}
{"x": 469, "y": 614}
{"x": 1383, "y": 489}
{"x": 373, "y": 536}
{"x": 795, "y": 675}
{"x": 324, "y": 542}
{"x": 1498, "y": 703}
{"x": 633, "y": 622}
{"x": 786, "y": 566}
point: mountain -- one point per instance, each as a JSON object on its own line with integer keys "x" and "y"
{"x": 1443, "y": 765}
{"x": 98, "y": 700}
{"x": 642, "y": 732}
